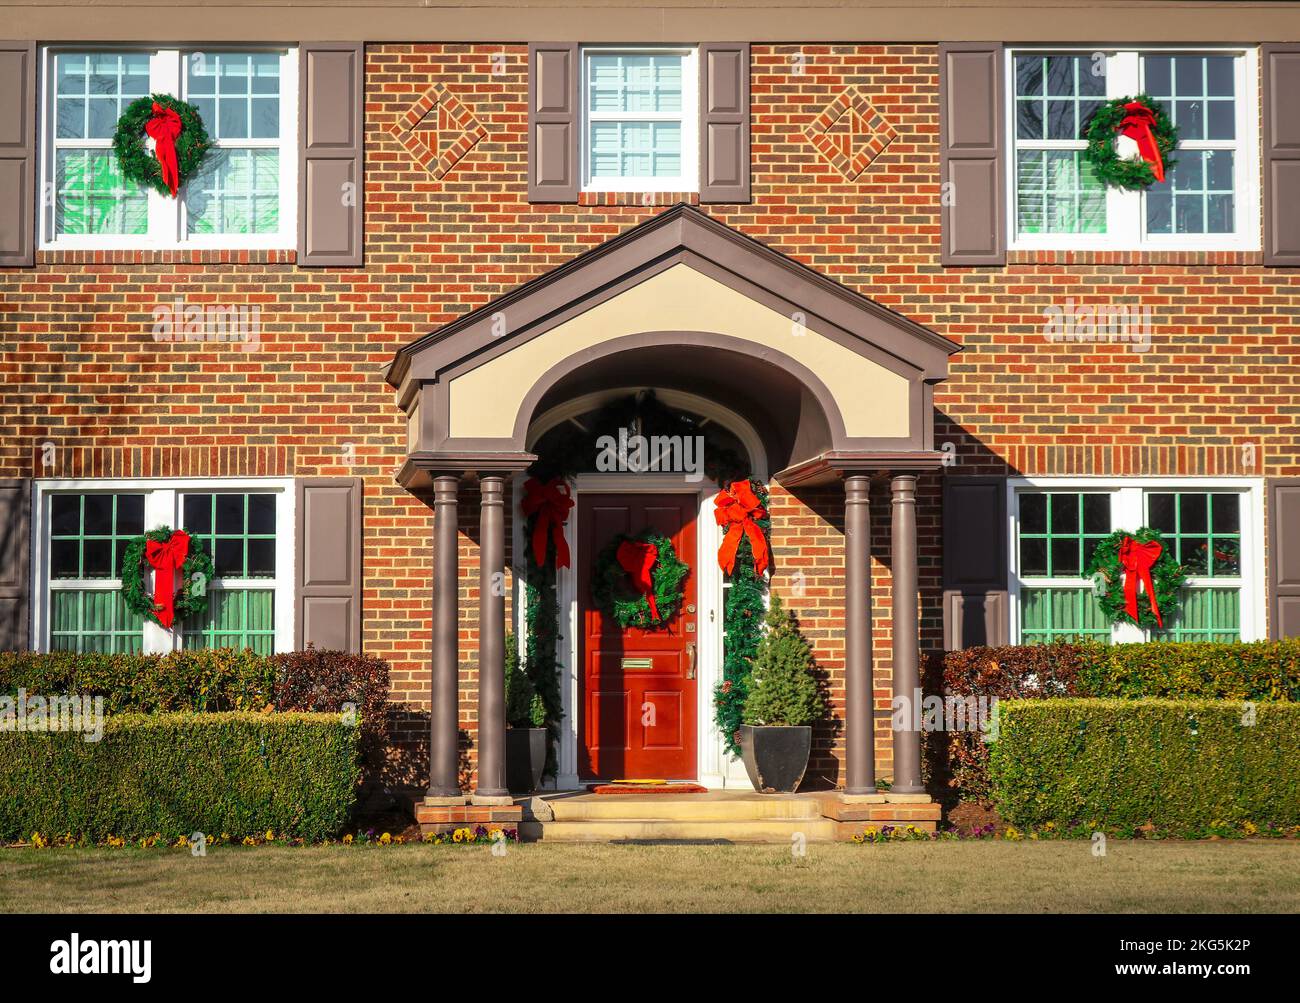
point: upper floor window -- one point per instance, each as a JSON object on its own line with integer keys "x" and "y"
{"x": 639, "y": 130}
{"x": 1208, "y": 200}
{"x": 245, "y": 194}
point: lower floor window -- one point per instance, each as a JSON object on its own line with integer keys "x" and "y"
{"x": 85, "y": 528}
{"x": 1207, "y": 526}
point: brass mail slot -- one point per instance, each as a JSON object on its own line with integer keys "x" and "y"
{"x": 638, "y": 663}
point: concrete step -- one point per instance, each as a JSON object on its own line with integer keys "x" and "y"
{"x": 682, "y": 808}
{"x": 763, "y": 830}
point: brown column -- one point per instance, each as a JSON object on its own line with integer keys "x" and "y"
{"x": 859, "y": 727}
{"x": 907, "y": 656}
{"x": 491, "y": 639}
{"x": 444, "y": 711}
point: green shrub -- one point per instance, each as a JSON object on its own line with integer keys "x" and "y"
{"x": 524, "y": 707}
{"x": 205, "y": 680}
{"x": 783, "y": 689}
{"x": 1121, "y": 764}
{"x": 1258, "y": 670}
{"x": 176, "y": 774}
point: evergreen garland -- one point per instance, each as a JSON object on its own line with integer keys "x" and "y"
{"x": 133, "y": 157}
{"x": 742, "y": 629}
{"x": 191, "y": 593}
{"x": 1110, "y": 169}
{"x": 1108, "y": 577}
{"x": 541, "y": 643}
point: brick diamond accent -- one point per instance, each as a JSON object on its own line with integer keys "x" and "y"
{"x": 438, "y": 131}
{"x": 850, "y": 133}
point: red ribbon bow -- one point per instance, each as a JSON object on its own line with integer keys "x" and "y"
{"x": 1137, "y": 125}
{"x": 164, "y": 127}
{"x": 551, "y": 503}
{"x": 166, "y": 559}
{"x": 737, "y": 508}
{"x": 637, "y": 557}
{"x": 1137, "y": 560}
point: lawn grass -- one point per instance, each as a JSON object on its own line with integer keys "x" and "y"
{"x": 1228, "y": 876}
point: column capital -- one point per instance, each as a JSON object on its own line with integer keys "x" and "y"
{"x": 904, "y": 485}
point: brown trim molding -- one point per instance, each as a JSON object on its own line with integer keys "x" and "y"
{"x": 832, "y": 466}
{"x": 418, "y": 471}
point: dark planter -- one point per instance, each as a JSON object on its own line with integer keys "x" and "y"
{"x": 775, "y": 757}
{"x": 525, "y": 759}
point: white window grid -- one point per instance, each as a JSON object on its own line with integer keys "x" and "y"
{"x": 167, "y": 217}
{"x": 688, "y": 116}
{"x": 1126, "y": 228}
{"x": 163, "y": 506}
{"x": 1128, "y": 511}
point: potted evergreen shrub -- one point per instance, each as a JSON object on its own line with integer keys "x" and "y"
{"x": 784, "y": 700}
{"x": 525, "y": 726}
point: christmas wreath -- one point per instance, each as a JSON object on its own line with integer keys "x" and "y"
{"x": 658, "y": 577}
{"x": 1141, "y": 120}
{"x": 180, "y": 142}
{"x": 1124, "y": 561}
{"x": 167, "y": 553}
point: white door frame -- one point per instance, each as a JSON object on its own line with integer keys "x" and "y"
{"x": 714, "y": 768}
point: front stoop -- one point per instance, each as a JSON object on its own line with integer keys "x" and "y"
{"x": 717, "y": 816}
{"x": 444, "y": 815}
{"x": 851, "y": 817}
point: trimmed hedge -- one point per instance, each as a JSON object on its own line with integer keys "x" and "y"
{"x": 176, "y": 774}
{"x": 1122, "y": 764}
{"x": 1259, "y": 670}
{"x": 206, "y": 680}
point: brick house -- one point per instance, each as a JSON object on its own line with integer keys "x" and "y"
{"x": 860, "y": 248}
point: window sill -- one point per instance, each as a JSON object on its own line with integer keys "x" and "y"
{"x": 173, "y": 256}
{"x": 1044, "y": 256}
{"x": 644, "y": 199}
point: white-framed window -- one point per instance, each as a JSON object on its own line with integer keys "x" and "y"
{"x": 1212, "y": 526}
{"x": 81, "y": 529}
{"x": 640, "y": 117}
{"x": 1209, "y": 200}
{"x": 244, "y": 196}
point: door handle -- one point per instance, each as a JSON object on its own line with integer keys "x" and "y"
{"x": 690, "y": 660}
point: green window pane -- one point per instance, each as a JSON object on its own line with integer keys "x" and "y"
{"x": 1057, "y": 191}
{"x": 92, "y": 197}
{"x": 1204, "y": 614}
{"x": 1059, "y": 531}
{"x": 1054, "y": 614}
{"x": 236, "y": 529}
{"x": 236, "y": 191}
{"x": 1201, "y": 529}
{"x": 236, "y": 618}
{"x": 93, "y": 620}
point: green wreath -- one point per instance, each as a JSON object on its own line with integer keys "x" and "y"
{"x": 1107, "y": 574}
{"x": 1110, "y": 169}
{"x": 192, "y": 595}
{"x": 133, "y": 157}
{"x": 610, "y": 585}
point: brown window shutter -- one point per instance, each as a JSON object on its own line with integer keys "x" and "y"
{"x": 17, "y": 153}
{"x": 331, "y": 164}
{"x": 974, "y": 561}
{"x": 327, "y": 567}
{"x": 972, "y": 206}
{"x": 553, "y": 165}
{"x": 724, "y": 122}
{"x": 1281, "y": 142}
{"x": 1284, "y": 557}
{"x": 15, "y": 564}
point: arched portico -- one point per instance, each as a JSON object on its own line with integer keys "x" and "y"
{"x": 829, "y": 384}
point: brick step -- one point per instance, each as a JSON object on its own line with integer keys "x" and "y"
{"x": 682, "y": 808}
{"x": 762, "y": 830}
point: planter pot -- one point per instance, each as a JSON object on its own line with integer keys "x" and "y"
{"x": 525, "y": 759}
{"x": 775, "y": 757}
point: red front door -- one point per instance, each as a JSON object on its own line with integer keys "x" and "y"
{"x": 637, "y": 717}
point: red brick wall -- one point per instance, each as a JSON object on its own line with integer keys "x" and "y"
{"x": 82, "y": 371}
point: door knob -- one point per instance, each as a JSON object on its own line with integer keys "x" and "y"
{"x": 690, "y": 660}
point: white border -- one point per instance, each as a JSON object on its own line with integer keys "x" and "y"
{"x": 162, "y": 506}
{"x": 1126, "y": 222}
{"x": 1127, "y": 511}
{"x": 166, "y": 217}
{"x": 688, "y": 180}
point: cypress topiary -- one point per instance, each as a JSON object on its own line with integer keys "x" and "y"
{"x": 783, "y": 689}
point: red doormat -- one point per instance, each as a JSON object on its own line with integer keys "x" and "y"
{"x": 617, "y": 788}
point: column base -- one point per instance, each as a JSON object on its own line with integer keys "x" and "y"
{"x": 491, "y": 798}
{"x": 443, "y": 800}
{"x": 873, "y": 798}
{"x": 908, "y": 797}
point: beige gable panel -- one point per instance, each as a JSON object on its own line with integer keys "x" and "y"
{"x": 872, "y": 400}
